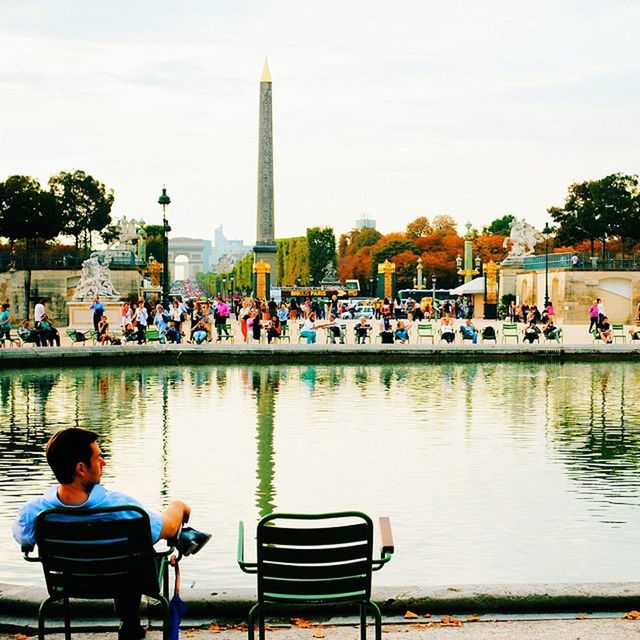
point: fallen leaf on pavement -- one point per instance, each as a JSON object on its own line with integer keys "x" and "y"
{"x": 473, "y": 619}
{"x": 410, "y": 615}
{"x": 631, "y": 615}
{"x": 318, "y": 634}
{"x": 300, "y": 622}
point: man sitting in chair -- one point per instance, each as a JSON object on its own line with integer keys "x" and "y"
{"x": 468, "y": 331}
{"x": 76, "y": 461}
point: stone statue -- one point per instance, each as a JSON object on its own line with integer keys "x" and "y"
{"x": 329, "y": 273}
{"x": 523, "y": 238}
{"x": 128, "y": 231}
{"x": 95, "y": 280}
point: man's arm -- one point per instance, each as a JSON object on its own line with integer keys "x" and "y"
{"x": 176, "y": 514}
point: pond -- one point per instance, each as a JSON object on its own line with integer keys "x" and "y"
{"x": 498, "y": 472}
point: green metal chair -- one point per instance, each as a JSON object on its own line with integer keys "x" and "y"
{"x": 425, "y": 331}
{"x": 617, "y": 331}
{"x": 87, "y": 554}
{"x": 510, "y": 330}
{"x": 316, "y": 559}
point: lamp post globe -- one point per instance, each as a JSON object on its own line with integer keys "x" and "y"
{"x": 546, "y": 231}
{"x": 164, "y": 200}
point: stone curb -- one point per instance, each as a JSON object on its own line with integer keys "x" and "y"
{"x": 84, "y": 355}
{"x": 204, "y": 604}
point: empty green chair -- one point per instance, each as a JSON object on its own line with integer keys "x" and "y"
{"x": 316, "y": 559}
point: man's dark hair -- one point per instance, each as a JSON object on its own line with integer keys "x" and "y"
{"x": 66, "y": 448}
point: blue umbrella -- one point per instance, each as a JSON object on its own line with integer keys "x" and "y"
{"x": 177, "y": 607}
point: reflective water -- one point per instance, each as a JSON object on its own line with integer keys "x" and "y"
{"x": 490, "y": 472}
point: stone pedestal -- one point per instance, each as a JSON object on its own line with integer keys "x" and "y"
{"x": 81, "y": 316}
{"x": 509, "y": 279}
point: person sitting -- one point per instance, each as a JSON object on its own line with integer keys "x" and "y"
{"x": 334, "y": 331}
{"x": 532, "y": 332}
{"x": 447, "y": 330}
{"x": 469, "y": 332}
{"x": 310, "y": 328}
{"x": 5, "y": 324}
{"x": 172, "y": 333}
{"x": 199, "y": 333}
{"x": 604, "y": 331}
{"x": 386, "y": 334}
{"x": 77, "y": 462}
{"x": 550, "y": 331}
{"x": 48, "y": 333}
{"x": 129, "y": 333}
{"x": 274, "y": 330}
{"x": 634, "y": 332}
{"x": 362, "y": 330}
{"x": 29, "y": 335}
{"x": 402, "y": 331}
{"x": 104, "y": 335}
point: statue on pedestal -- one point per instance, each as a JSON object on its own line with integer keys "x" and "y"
{"x": 95, "y": 280}
{"x": 523, "y": 238}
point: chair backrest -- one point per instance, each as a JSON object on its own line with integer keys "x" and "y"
{"x": 509, "y": 329}
{"x": 618, "y": 329}
{"x": 488, "y": 332}
{"x": 152, "y": 333}
{"x": 315, "y": 558}
{"x": 425, "y": 329}
{"x": 97, "y": 553}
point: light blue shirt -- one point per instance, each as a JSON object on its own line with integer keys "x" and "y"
{"x": 24, "y": 530}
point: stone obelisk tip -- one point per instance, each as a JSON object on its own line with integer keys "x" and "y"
{"x": 266, "y": 73}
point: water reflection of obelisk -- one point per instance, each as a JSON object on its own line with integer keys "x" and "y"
{"x": 265, "y": 248}
{"x": 265, "y": 385}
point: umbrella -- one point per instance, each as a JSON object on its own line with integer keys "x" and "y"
{"x": 177, "y": 607}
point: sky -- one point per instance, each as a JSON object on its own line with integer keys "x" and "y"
{"x": 386, "y": 109}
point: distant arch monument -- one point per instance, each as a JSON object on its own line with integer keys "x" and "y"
{"x": 188, "y": 256}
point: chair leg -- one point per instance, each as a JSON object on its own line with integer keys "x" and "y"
{"x": 378, "y": 618}
{"x": 67, "y": 620}
{"x": 42, "y": 615}
{"x": 363, "y": 622}
{"x": 255, "y": 610}
{"x": 166, "y": 618}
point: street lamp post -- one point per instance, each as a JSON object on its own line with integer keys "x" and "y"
{"x": 233, "y": 290}
{"x": 433, "y": 299}
{"x": 546, "y": 231}
{"x": 164, "y": 201}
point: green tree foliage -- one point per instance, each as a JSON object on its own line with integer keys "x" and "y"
{"x": 27, "y": 212}
{"x": 500, "y": 226}
{"x": 599, "y": 210}
{"x": 419, "y": 228}
{"x": 293, "y": 260}
{"x": 85, "y": 204}
{"x": 154, "y": 240}
{"x": 321, "y": 243}
{"x": 388, "y": 248}
{"x": 350, "y": 243}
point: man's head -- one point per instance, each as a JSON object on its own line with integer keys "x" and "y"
{"x": 73, "y": 453}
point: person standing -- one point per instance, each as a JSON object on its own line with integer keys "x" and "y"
{"x": 38, "y": 312}
{"x": 602, "y": 314}
{"x": 5, "y": 323}
{"x": 97, "y": 307}
{"x": 593, "y": 316}
{"x": 141, "y": 319}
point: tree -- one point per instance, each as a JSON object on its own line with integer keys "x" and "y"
{"x": 350, "y": 243}
{"x": 390, "y": 246}
{"x": 501, "y": 226}
{"x": 419, "y": 228}
{"x": 26, "y": 211}
{"x": 85, "y": 204}
{"x": 444, "y": 223}
{"x": 154, "y": 240}
{"x": 321, "y": 243}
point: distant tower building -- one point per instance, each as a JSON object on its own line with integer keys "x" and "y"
{"x": 265, "y": 248}
{"x": 365, "y": 223}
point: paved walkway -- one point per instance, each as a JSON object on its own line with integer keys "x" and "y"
{"x": 615, "y": 628}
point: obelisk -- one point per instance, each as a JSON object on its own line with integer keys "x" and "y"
{"x": 265, "y": 248}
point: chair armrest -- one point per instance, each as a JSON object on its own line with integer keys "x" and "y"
{"x": 386, "y": 543}
{"x": 247, "y": 567}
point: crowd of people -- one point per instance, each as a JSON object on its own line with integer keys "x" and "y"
{"x": 198, "y": 321}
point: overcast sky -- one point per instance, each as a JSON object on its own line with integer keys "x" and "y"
{"x": 393, "y": 109}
